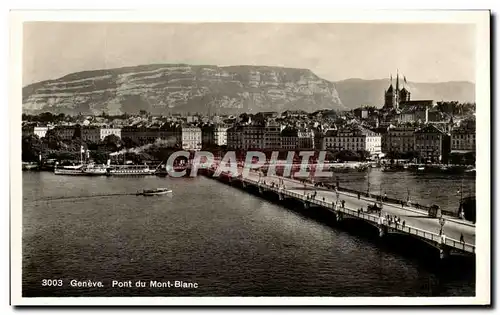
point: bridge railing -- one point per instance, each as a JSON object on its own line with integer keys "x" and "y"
{"x": 370, "y": 217}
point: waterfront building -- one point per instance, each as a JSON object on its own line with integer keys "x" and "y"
{"x": 107, "y": 131}
{"x": 220, "y": 136}
{"x": 40, "y": 131}
{"x": 191, "y": 138}
{"x": 90, "y": 134}
{"x": 144, "y": 135}
{"x": 272, "y": 136}
{"x": 463, "y": 140}
{"x": 235, "y": 137}
{"x": 253, "y": 137}
{"x": 207, "y": 136}
{"x": 289, "y": 138}
{"x": 399, "y": 139}
{"x": 34, "y": 130}
{"x": 353, "y": 138}
{"x": 318, "y": 139}
{"x": 432, "y": 144}
{"x": 305, "y": 139}
{"x": 67, "y": 132}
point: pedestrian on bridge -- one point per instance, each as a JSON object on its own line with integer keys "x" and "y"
{"x": 359, "y": 196}
{"x": 462, "y": 238}
{"x": 403, "y": 224}
{"x": 343, "y": 203}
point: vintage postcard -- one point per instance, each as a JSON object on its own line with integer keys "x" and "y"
{"x": 298, "y": 158}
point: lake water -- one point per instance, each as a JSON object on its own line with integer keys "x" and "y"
{"x": 229, "y": 242}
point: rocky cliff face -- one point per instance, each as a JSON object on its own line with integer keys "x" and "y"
{"x": 162, "y": 89}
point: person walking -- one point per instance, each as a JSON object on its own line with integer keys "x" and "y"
{"x": 462, "y": 238}
{"x": 359, "y": 196}
{"x": 403, "y": 224}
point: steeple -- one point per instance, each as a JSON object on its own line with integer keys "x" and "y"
{"x": 397, "y": 89}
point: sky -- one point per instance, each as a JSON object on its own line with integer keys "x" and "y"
{"x": 421, "y": 52}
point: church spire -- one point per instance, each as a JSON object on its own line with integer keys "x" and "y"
{"x": 397, "y": 80}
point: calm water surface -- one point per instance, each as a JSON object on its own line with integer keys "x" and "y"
{"x": 226, "y": 240}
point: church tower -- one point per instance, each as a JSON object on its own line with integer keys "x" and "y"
{"x": 390, "y": 97}
{"x": 404, "y": 94}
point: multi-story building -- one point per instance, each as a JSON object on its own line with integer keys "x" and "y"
{"x": 191, "y": 138}
{"x": 40, "y": 131}
{"x": 399, "y": 139}
{"x": 107, "y": 131}
{"x": 144, "y": 135}
{"x": 353, "y": 138}
{"x": 91, "y": 134}
{"x": 432, "y": 144}
{"x": 272, "y": 136}
{"x": 414, "y": 113}
{"x": 463, "y": 140}
{"x": 305, "y": 139}
{"x": 67, "y": 132}
{"x": 235, "y": 137}
{"x": 253, "y": 137}
{"x": 289, "y": 139}
{"x": 318, "y": 137}
{"x": 207, "y": 136}
{"x": 220, "y": 135}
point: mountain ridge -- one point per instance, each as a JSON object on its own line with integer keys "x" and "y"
{"x": 181, "y": 87}
{"x": 163, "y": 88}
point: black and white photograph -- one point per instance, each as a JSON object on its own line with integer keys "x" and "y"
{"x": 321, "y": 162}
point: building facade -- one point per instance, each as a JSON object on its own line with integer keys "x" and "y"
{"x": 91, "y": 134}
{"x": 272, "y": 135}
{"x": 220, "y": 135}
{"x": 191, "y": 138}
{"x": 253, "y": 137}
{"x": 354, "y": 138}
{"x": 110, "y": 131}
{"x": 400, "y": 139}
{"x": 432, "y": 144}
{"x": 235, "y": 138}
{"x": 67, "y": 132}
{"x": 463, "y": 140}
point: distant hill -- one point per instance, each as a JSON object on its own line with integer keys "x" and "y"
{"x": 358, "y": 92}
{"x": 168, "y": 88}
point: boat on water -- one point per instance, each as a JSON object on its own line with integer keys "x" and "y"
{"x": 154, "y": 192}
{"x": 74, "y": 170}
{"x": 421, "y": 168}
{"x": 95, "y": 170}
{"x": 81, "y": 170}
{"x": 130, "y": 170}
{"x": 29, "y": 166}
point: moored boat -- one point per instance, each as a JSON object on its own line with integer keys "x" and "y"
{"x": 95, "y": 170}
{"x": 130, "y": 170}
{"x": 29, "y": 166}
{"x": 74, "y": 170}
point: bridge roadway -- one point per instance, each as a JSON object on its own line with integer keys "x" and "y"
{"x": 418, "y": 219}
